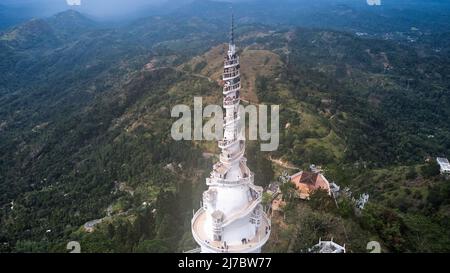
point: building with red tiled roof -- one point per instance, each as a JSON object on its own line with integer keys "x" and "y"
{"x": 308, "y": 182}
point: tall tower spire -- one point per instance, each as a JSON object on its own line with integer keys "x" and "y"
{"x": 232, "y": 46}
{"x": 231, "y": 218}
{"x": 232, "y": 30}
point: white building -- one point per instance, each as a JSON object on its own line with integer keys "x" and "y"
{"x": 231, "y": 218}
{"x": 335, "y": 189}
{"x": 327, "y": 247}
{"x": 315, "y": 169}
{"x": 444, "y": 164}
{"x": 362, "y": 201}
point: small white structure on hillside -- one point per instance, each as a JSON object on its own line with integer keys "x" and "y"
{"x": 444, "y": 164}
{"x": 335, "y": 188}
{"x": 327, "y": 247}
{"x": 90, "y": 226}
{"x": 273, "y": 189}
{"x": 315, "y": 169}
{"x": 362, "y": 200}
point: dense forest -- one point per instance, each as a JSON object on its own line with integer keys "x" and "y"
{"x": 85, "y": 126}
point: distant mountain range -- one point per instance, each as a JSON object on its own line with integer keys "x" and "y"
{"x": 336, "y": 14}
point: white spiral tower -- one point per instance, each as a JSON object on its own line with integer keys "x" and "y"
{"x": 231, "y": 218}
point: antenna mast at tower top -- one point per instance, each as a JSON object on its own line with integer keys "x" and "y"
{"x": 232, "y": 30}
{"x": 232, "y": 46}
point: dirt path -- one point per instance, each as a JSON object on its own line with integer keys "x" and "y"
{"x": 286, "y": 165}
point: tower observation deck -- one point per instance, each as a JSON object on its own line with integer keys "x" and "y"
{"x": 231, "y": 218}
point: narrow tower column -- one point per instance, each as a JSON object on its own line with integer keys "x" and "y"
{"x": 232, "y": 218}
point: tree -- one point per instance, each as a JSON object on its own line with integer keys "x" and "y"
{"x": 430, "y": 170}
{"x": 321, "y": 200}
{"x": 411, "y": 174}
{"x": 111, "y": 231}
{"x": 346, "y": 207}
{"x": 266, "y": 199}
{"x": 260, "y": 165}
{"x": 288, "y": 190}
{"x": 152, "y": 246}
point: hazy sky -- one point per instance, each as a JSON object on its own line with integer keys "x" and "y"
{"x": 124, "y": 8}
{"x": 120, "y": 7}
{"x": 99, "y": 8}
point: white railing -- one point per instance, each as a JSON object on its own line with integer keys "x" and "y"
{"x": 242, "y": 213}
{"x": 231, "y": 62}
{"x": 223, "y": 144}
{"x": 194, "y": 231}
{"x": 261, "y": 237}
{"x": 215, "y": 181}
{"x": 231, "y": 88}
{"x": 229, "y": 76}
{"x": 231, "y": 102}
{"x": 231, "y": 69}
{"x": 228, "y": 120}
{"x": 227, "y": 159}
{"x": 232, "y": 58}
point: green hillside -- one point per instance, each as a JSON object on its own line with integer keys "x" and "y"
{"x": 85, "y": 132}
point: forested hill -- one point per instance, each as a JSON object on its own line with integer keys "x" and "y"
{"x": 85, "y": 127}
{"x": 81, "y": 114}
{"x": 390, "y": 102}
